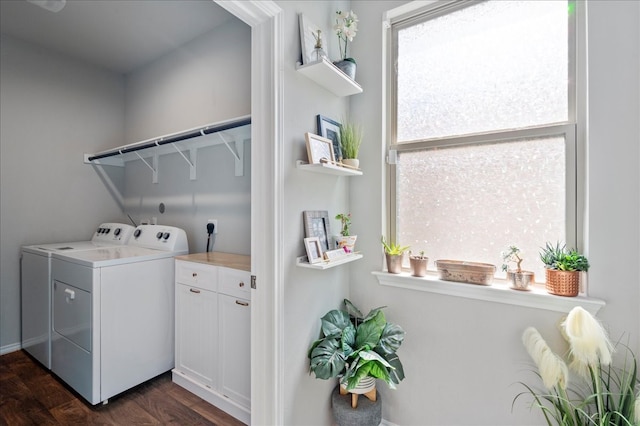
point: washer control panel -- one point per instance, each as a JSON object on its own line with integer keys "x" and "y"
{"x": 160, "y": 237}
{"x": 116, "y": 233}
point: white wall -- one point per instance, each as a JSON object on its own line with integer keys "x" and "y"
{"x": 463, "y": 358}
{"x": 53, "y": 109}
{"x": 308, "y": 294}
{"x": 204, "y": 81}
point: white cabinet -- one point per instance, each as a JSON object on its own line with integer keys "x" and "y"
{"x": 213, "y": 334}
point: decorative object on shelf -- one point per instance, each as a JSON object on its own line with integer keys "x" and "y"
{"x": 590, "y": 391}
{"x": 563, "y": 268}
{"x": 330, "y": 129}
{"x": 346, "y": 27}
{"x": 318, "y": 148}
{"x": 353, "y": 347}
{"x": 318, "y": 52}
{"x": 393, "y": 254}
{"x": 345, "y": 240}
{"x": 313, "y": 248}
{"x": 465, "y": 272}
{"x": 316, "y": 224}
{"x": 418, "y": 264}
{"x": 350, "y": 140}
{"x": 309, "y": 35}
{"x": 520, "y": 280}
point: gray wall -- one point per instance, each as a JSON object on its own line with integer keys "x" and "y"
{"x": 54, "y": 109}
{"x": 204, "y": 81}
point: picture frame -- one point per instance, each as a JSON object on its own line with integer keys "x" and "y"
{"x": 308, "y": 30}
{"x": 319, "y": 148}
{"x": 330, "y": 129}
{"x": 317, "y": 224}
{"x": 314, "y": 250}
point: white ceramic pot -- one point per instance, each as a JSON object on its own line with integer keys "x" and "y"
{"x": 366, "y": 384}
{"x": 351, "y": 162}
{"x": 348, "y": 243}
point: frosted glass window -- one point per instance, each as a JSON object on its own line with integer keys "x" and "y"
{"x": 471, "y": 202}
{"x": 490, "y": 66}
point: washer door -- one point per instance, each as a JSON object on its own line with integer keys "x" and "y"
{"x": 72, "y": 314}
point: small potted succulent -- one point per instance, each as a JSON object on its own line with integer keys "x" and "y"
{"x": 563, "y": 268}
{"x": 520, "y": 280}
{"x": 418, "y": 264}
{"x": 394, "y": 254}
{"x": 345, "y": 240}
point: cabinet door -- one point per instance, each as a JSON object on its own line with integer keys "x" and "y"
{"x": 235, "y": 349}
{"x": 197, "y": 334}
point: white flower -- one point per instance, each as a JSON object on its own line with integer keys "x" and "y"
{"x": 346, "y": 27}
{"x": 588, "y": 340}
{"x": 553, "y": 370}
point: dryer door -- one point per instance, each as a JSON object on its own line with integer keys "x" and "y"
{"x": 72, "y": 314}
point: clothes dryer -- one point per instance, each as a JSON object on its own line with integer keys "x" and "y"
{"x": 113, "y": 312}
{"x": 35, "y": 282}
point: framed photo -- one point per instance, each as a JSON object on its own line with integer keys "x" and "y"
{"x": 308, "y": 34}
{"x": 316, "y": 224}
{"x": 318, "y": 148}
{"x": 330, "y": 129}
{"x": 314, "y": 251}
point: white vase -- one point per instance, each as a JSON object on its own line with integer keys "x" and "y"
{"x": 347, "y": 243}
{"x": 365, "y": 385}
{"x": 351, "y": 162}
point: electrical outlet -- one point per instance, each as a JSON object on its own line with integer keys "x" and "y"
{"x": 215, "y": 225}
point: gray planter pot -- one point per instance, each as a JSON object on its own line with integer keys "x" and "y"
{"x": 347, "y": 67}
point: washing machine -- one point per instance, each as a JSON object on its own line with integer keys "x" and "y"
{"x": 113, "y": 312}
{"x": 35, "y": 283}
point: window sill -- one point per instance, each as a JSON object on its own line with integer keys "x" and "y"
{"x": 498, "y": 292}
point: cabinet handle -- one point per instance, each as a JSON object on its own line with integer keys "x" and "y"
{"x": 241, "y": 284}
{"x": 242, "y": 303}
{"x": 194, "y": 290}
{"x": 195, "y": 274}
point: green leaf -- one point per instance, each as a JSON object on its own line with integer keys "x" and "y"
{"x": 369, "y": 332}
{"x": 352, "y": 310}
{"x": 391, "y": 338}
{"x": 334, "y": 322}
{"x": 348, "y": 340}
{"x": 327, "y": 360}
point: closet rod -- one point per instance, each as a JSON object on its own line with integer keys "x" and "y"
{"x": 207, "y": 130}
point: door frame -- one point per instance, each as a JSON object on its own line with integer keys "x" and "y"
{"x": 267, "y": 190}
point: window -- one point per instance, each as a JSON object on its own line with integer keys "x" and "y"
{"x": 483, "y": 129}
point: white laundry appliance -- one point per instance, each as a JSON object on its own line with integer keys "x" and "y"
{"x": 113, "y": 312}
{"x": 35, "y": 282}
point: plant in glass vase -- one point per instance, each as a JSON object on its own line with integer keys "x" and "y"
{"x": 346, "y": 27}
{"x": 345, "y": 240}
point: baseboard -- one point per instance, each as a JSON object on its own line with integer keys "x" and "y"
{"x": 10, "y": 348}
{"x": 387, "y": 423}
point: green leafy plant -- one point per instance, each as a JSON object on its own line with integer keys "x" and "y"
{"x": 345, "y": 220}
{"x": 352, "y": 346}
{"x": 350, "y": 139}
{"x": 393, "y": 249}
{"x": 563, "y": 259}
{"x": 602, "y": 395}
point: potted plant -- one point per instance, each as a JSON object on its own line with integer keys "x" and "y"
{"x": 520, "y": 280}
{"x": 393, "y": 253}
{"x": 418, "y": 264}
{"x": 345, "y": 240}
{"x": 346, "y": 27}
{"x": 588, "y": 390}
{"x": 357, "y": 350}
{"x": 350, "y": 140}
{"x": 562, "y": 269}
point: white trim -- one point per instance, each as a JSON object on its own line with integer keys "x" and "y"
{"x": 499, "y": 293}
{"x": 10, "y": 348}
{"x": 267, "y": 313}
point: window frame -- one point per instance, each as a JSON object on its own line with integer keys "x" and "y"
{"x": 573, "y": 130}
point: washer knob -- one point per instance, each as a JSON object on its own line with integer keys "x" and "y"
{"x": 117, "y": 231}
{"x": 137, "y": 233}
{"x": 166, "y": 235}
{"x": 159, "y": 235}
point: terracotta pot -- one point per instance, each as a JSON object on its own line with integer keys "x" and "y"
{"x": 562, "y": 283}
{"x": 418, "y": 266}
{"x": 394, "y": 263}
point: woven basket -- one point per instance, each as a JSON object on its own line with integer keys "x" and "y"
{"x": 562, "y": 283}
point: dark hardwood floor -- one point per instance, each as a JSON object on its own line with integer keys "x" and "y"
{"x": 31, "y": 395}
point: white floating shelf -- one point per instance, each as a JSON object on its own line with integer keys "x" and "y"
{"x": 330, "y": 77}
{"x": 325, "y": 264}
{"x": 327, "y": 168}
